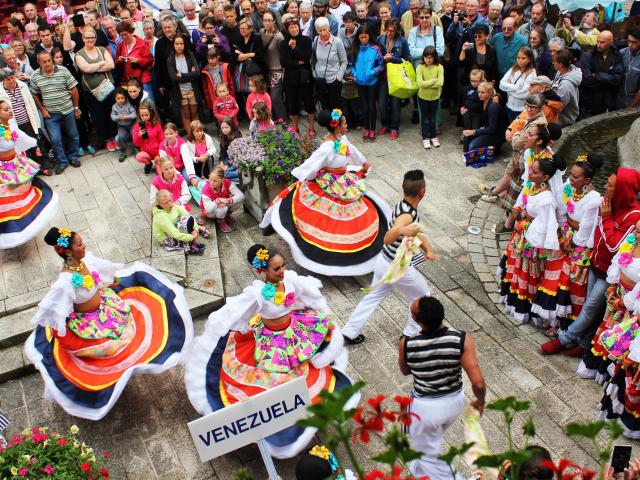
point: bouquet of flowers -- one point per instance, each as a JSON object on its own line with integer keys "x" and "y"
{"x": 246, "y": 153}
{"x": 36, "y": 453}
{"x": 284, "y": 150}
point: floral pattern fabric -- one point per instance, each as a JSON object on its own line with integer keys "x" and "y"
{"x": 108, "y": 321}
{"x": 347, "y": 186}
{"x": 18, "y": 170}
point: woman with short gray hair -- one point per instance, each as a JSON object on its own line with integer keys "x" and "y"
{"x": 329, "y": 62}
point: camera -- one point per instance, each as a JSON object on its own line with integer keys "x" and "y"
{"x": 210, "y": 38}
{"x": 462, "y": 15}
{"x": 565, "y": 14}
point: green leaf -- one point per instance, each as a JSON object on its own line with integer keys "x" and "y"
{"x": 454, "y": 452}
{"x": 615, "y": 429}
{"x": 529, "y": 429}
{"x": 587, "y": 430}
{"x": 489, "y": 461}
{"x": 388, "y": 457}
{"x": 509, "y": 403}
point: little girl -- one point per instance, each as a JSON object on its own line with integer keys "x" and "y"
{"x": 430, "y": 78}
{"x": 228, "y": 133}
{"x": 368, "y": 64}
{"x": 260, "y": 118}
{"x": 147, "y": 135}
{"x": 175, "y": 147}
{"x": 220, "y": 197}
{"x": 258, "y": 89}
{"x": 55, "y": 13}
{"x": 173, "y": 227}
{"x": 169, "y": 180}
{"x": 201, "y": 151}
{"x": 224, "y": 105}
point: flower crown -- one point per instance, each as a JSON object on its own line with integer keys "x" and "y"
{"x": 62, "y": 243}
{"x": 582, "y": 158}
{"x": 323, "y": 452}
{"x": 336, "y": 115}
{"x": 260, "y": 260}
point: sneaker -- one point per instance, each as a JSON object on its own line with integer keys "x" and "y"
{"x": 196, "y": 249}
{"x": 435, "y": 142}
{"x": 147, "y": 168}
{"x": 394, "y": 134}
{"x": 122, "y": 157}
{"x": 372, "y": 135}
{"x": 552, "y": 347}
{"x": 61, "y": 168}
{"x": 75, "y": 163}
{"x": 500, "y": 228}
{"x": 383, "y": 131}
{"x": 365, "y": 135}
{"x": 229, "y": 219}
{"x": 112, "y": 146}
{"x": 426, "y": 143}
{"x": 81, "y": 152}
{"x": 224, "y": 226}
{"x": 489, "y": 198}
{"x": 91, "y": 149}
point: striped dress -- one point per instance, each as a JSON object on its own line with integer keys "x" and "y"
{"x": 390, "y": 250}
{"x": 434, "y": 361}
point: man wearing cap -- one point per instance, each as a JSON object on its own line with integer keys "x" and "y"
{"x": 25, "y": 112}
{"x": 321, "y": 9}
{"x": 553, "y": 103}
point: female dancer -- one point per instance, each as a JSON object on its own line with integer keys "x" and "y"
{"x": 581, "y": 208}
{"x": 530, "y": 270}
{"x": 276, "y": 330}
{"x": 94, "y": 331}
{"x": 27, "y": 203}
{"x": 331, "y": 225}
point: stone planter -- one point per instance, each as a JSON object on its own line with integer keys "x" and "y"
{"x": 257, "y": 195}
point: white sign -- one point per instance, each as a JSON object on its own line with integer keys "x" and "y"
{"x": 247, "y": 422}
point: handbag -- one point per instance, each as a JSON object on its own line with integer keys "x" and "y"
{"x": 446, "y": 56}
{"x": 104, "y": 89}
{"x": 321, "y": 83}
{"x": 402, "y": 79}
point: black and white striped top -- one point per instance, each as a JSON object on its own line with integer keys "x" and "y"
{"x": 434, "y": 361}
{"x": 391, "y": 249}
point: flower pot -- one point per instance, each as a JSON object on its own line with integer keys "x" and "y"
{"x": 274, "y": 190}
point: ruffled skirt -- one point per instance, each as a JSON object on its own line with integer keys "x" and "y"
{"x": 578, "y": 260}
{"x": 331, "y": 224}
{"x": 86, "y": 376}
{"x": 18, "y": 170}
{"x": 226, "y": 367}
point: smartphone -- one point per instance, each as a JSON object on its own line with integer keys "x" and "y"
{"x": 620, "y": 458}
{"x": 78, "y": 20}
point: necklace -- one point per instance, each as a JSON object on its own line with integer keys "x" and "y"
{"x": 578, "y": 196}
{"x": 75, "y": 269}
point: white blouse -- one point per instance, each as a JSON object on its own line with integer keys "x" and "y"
{"x": 238, "y": 310}
{"x": 58, "y": 304}
{"x": 326, "y": 157}
{"x": 631, "y": 271}
{"x": 188, "y": 154}
{"x": 543, "y": 229}
{"x": 586, "y": 212}
{"x": 21, "y": 144}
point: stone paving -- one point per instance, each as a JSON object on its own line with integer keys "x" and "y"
{"x": 146, "y": 432}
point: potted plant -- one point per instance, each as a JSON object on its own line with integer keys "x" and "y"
{"x": 36, "y": 453}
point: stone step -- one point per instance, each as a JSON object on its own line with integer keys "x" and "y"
{"x": 16, "y": 327}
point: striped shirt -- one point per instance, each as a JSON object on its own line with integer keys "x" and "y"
{"x": 54, "y": 89}
{"x": 434, "y": 361}
{"x": 17, "y": 105}
{"x": 391, "y": 249}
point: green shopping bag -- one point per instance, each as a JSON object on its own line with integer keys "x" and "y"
{"x": 402, "y": 79}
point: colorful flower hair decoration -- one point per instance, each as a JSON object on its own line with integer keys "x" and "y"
{"x": 323, "y": 452}
{"x": 63, "y": 242}
{"x": 59, "y": 249}
{"x": 582, "y": 158}
{"x": 625, "y": 250}
{"x": 260, "y": 260}
{"x": 336, "y": 115}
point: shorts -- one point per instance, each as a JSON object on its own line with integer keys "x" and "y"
{"x": 188, "y": 97}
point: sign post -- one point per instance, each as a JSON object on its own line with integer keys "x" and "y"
{"x": 251, "y": 421}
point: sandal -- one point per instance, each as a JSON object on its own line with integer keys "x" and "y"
{"x": 46, "y": 172}
{"x": 552, "y": 332}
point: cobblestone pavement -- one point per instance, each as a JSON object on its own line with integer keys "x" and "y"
{"x": 146, "y": 431}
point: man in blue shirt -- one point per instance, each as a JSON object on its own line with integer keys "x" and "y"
{"x": 507, "y": 43}
{"x": 463, "y": 29}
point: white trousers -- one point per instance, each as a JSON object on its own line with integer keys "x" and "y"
{"x": 413, "y": 285}
{"x": 436, "y": 416}
{"x": 222, "y": 212}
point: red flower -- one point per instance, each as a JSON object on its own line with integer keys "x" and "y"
{"x": 362, "y": 430}
{"x": 375, "y": 475}
{"x": 49, "y": 470}
{"x": 106, "y": 454}
{"x": 568, "y": 470}
{"x": 16, "y": 440}
{"x": 104, "y": 471}
{"x": 404, "y": 415}
{"x": 62, "y": 442}
{"x": 24, "y": 471}
{"x": 397, "y": 475}
{"x": 85, "y": 467}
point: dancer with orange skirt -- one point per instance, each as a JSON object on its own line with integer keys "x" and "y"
{"x": 100, "y": 324}
{"x": 333, "y": 225}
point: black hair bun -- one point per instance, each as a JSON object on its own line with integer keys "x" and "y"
{"x": 324, "y": 118}
{"x": 51, "y": 237}
{"x": 555, "y": 131}
{"x": 311, "y": 467}
{"x": 253, "y": 249}
{"x": 595, "y": 160}
{"x": 559, "y": 163}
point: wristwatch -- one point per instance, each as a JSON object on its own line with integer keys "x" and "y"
{"x": 76, "y": 108}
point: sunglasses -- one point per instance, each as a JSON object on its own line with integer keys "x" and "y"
{"x": 424, "y": 18}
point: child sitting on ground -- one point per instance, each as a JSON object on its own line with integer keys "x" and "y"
{"x": 260, "y": 119}
{"x": 224, "y": 105}
{"x": 123, "y": 114}
{"x": 201, "y": 149}
{"x": 147, "y": 135}
{"x": 220, "y": 197}
{"x": 169, "y": 179}
{"x": 470, "y": 105}
{"x": 173, "y": 227}
{"x": 175, "y": 147}
{"x": 228, "y": 133}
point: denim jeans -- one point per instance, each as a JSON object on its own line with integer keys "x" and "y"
{"x": 60, "y": 125}
{"x": 367, "y": 94}
{"x": 428, "y": 109}
{"x": 583, "y": 328}
{"x": 389, "y": 107}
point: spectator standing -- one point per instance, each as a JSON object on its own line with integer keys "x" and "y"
{"x": 430, "y": 78}
{"x": 164, "y": 49}
{"x": 149, "y": 29}
{"x": 31, "y": 14}
{"x": 184, "y": 74}
{"x": 410, "y": 18}
{"x": 602, "y": 76}
{"x": 541, "y": 52}
{"x": 215, "y": 73}
{"x": 126, "y": 17}
{"x": 463, "y": 29}
{"x": 262, "y": 7}
{"x": 15, "y": 29}
{"x": 22, "y": 71}
{"x": 209, "y": 36}
{"x": 337, "y": 9}
{"x": 436, "y": 358}
{"x": 232, "y": 33}
{"x": 134, "y": 58}
{"x": 515, "y": 83}
{"x": 567, "y": 85}
{"x": 295, "y": 57}
{"x": 517, "y": 13}
{"x": 134, "y": 8}
{"x": 479, "y": 54}
{"x": 48, "y": 42}
{"x": 629, "y": 95}
{"x": 109, "y": 27}
{"x": 306, "y": 17}
{"x": 95, "y": 65}
{"x": 537, "y": 20}
{"x": 190, "y": 19}
{"x": 56, "y": 94}
{"x": 584, "y": 37}
{"x": 368, "y": 65}
{"x": 398, "y": 8}
{"x": 329, "y": 64}
{"x": 507, "y": 43}
{"x": 249, "y": 54}
{"x": 321, "y": 10}
{"x": 494, "y": 17}
{"x": 272, "y": 39}
{"x": 31, "y": 37}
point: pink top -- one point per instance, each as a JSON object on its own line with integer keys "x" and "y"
{"x": 254, "y": 98}
{"x": 226, "y": 107}
{"x": 174, "y": 152}
{"x": 201, "y": 148}
{"x": 56, "y": 15}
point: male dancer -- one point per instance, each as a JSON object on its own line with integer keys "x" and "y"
{"x": 412, "y": 285}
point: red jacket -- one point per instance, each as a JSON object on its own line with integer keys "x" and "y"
{"x": 140, "y": 69}
{"x": 614, "y": 228}
{"x": 226, "y": 107}
{"x": 149, "y": 145}
{"x": 209, "y": 88}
